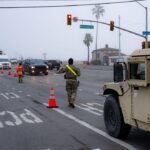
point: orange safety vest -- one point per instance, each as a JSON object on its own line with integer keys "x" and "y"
{"x": 19, "y": 70}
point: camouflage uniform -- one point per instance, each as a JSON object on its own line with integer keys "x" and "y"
{"x": 71, "y": 82}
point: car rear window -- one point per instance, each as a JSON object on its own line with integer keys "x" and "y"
{"x": 37, "y": 61}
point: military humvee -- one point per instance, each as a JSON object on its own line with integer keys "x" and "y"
{"x": 128, "y": 97}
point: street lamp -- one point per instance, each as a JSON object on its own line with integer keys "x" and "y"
{"x": 146, "y": 22}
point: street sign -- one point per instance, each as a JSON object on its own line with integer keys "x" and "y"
{"x": 83, "y": 26}
{"x": 146, "y": 32}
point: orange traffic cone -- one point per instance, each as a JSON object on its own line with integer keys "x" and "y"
{"x": 52, "y": 100}
{"x": 2, "y": 71}
{"x": 9, "y": 73}
{"x": 15, "y": 74}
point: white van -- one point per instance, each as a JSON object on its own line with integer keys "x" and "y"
{"x": 4, "y": 62}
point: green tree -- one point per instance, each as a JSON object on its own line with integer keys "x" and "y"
{"x": 87, "y": 40}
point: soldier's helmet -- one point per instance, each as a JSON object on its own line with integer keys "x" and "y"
{"x": 70, "y": 61}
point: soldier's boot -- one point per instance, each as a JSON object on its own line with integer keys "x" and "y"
{"x": 72, "y": 103}
{"x": 69, "y": 100}
{"x": 19, "y": 79}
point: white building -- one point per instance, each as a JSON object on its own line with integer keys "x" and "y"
{"x": 103, "y": 54}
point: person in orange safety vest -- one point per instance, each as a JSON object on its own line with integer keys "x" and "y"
{"x": 20, "y": 73}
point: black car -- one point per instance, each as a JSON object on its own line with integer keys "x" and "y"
{"x": 35, "y": 66}
{"x": 53, "y": 64}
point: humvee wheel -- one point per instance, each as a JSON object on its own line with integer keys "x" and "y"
{"x": 113, "y": 119}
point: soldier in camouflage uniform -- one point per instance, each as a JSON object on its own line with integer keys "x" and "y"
{"x": 71, "y": 74}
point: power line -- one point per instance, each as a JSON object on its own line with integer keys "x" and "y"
{"x": 73, "y": 5}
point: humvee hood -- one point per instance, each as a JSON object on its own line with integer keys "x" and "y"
{"x": 141, "y": 52}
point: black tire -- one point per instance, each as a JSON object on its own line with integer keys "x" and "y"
{"x": 113, "y": 119}
{"x": 46, "y": 73}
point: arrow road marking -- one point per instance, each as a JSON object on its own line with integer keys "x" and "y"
{"x": 89, "y": 110}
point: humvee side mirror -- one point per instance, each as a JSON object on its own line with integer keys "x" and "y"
{"x": 118, "y": 72}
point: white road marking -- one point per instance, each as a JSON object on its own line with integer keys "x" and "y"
{"x": 27, "y": 117}
{"x": 30, "y": 114}
{"x": 96, "y": 130}
{"x": 28, "y": 95}
{"x": 6, "y": 97}
{"x": 89, "y": 110}
{"x": 17, "y": 120}
{"x": 9, "y": 95}
{"x": 13, "y": 95}
{"x": 97, "y": 93}
{"x": 91, "y": 104}
{"x": 96, "y": 149}
{"x": 92, "y": 108}
{"x": 20, "y": 91}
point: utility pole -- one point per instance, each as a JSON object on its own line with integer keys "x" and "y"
{"x": 146, "y": 9}
{"x": 119, "y": 40}
{"x": 96, "y": 39}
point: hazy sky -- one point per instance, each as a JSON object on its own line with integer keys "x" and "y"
{"x": 34, "y": 31}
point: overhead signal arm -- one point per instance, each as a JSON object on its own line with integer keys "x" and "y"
{"x": 114, "y": 26}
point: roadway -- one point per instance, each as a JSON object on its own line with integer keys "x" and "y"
{"x": 27, "y": 124}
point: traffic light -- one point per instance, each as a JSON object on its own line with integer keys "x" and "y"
{"x": 69, "y": 19}
{"x": 112, "y": 24}
{"x": 148, "y": 44}
{"x": 144, "y": 43}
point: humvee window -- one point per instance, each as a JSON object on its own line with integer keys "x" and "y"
{"x": 137, "y": 71}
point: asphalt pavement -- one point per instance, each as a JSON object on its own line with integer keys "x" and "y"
{"x": 26, "y": 123}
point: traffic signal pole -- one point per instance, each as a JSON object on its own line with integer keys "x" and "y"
{"x": 146, "y": 26}
{"x": 119, "y": 40}
{"x": 146, "y": 23}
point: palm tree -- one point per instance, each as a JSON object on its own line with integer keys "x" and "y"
{"x": 97, "y": 11}
{"x": 87, "y": 40}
